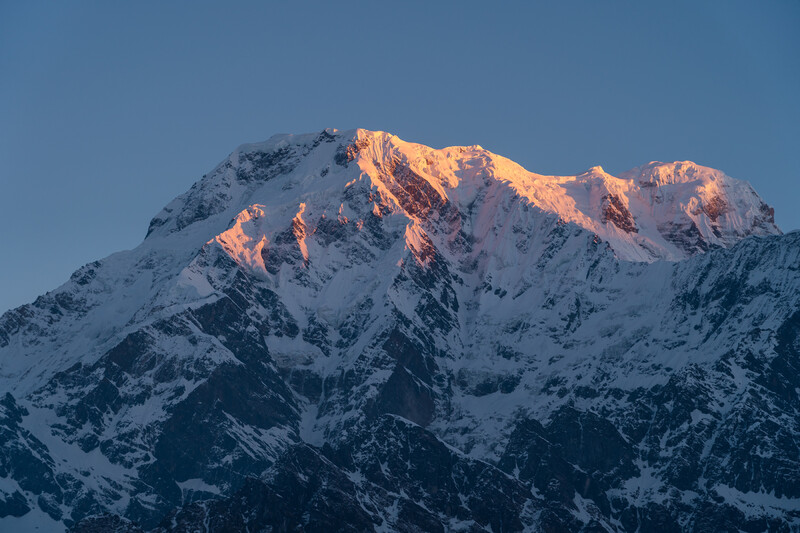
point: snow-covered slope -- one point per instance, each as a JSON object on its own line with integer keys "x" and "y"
{"x": 404, "y": 337}
{"x": 657, "y": 211}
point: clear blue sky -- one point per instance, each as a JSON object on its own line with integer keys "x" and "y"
{"x": 110, "y": 109}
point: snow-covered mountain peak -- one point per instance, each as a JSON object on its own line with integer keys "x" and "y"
{"x": 432, "y": 339}
{"x": 657, "y": 173}
{"x": 597, "y": 169}
{"x": 656, "y": 211}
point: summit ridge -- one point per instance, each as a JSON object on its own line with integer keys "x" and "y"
{"x": 678, "y": 209}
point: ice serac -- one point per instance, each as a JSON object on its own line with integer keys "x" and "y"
{"x": 374, "y": 335}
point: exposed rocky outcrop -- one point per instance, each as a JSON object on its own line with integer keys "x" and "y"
{"x": 615, "y": 212}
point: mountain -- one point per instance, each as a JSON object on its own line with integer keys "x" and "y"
{"x": 343, "y": 331}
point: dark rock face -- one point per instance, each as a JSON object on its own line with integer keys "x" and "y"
{"x": 26, "y": 461}
{"x": 403, "y": 395}
{"x": 391, "y": 476}
{"x": 106, "y": 524}
{"x": 403, "y": 458}
{"x": 14, "y": 504}
{"x": 345, "y": 154}
{"x": 559, "y": 471}
{"x": 415, "y": 195}
{"x": 767, "y": 214}
{"x": 305, "y": 492}
{"x": 715, "y": 207}
{"x": 264, "y": 166}
{"x": 614, "y": 211}
{"x": 686, "y": 237}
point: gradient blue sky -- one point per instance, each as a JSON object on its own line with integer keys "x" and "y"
{"x": 109, "y": 109}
